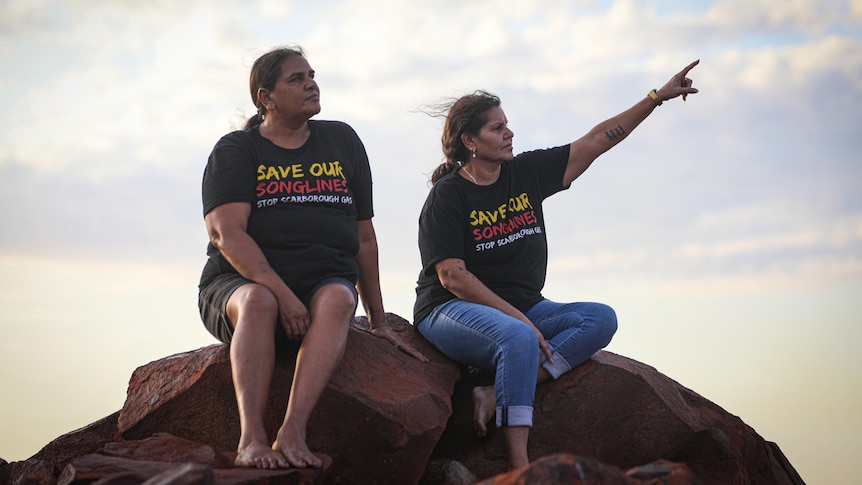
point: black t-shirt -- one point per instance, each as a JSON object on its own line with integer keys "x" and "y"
{"x": 304, "y": 202}
{"x": 498, "y": 230}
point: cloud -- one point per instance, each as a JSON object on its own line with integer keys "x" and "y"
{"x": 721, "y": 225}
{"x": 800, "y": 15}
{"x": 122, "y": 108}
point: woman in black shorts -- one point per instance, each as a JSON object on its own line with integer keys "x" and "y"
{"x": 288, "y": 206}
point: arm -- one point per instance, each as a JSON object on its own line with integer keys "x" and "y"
{"x": 368, "y": 286}
{"x": 609, "y": 133}
{"x": 369, "y": 274}
{"x": 455, "y": 277}
{"x": 227, "y": 225}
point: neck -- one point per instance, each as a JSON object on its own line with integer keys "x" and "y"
{"x": 283, "y": 134}
{"x": 480, "y": 173}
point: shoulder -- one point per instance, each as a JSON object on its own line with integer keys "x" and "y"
{"x": 332, "y": 127}
{"x": 545, "y": 160}
{"x": 448, "y": 189}
{"x": 232, "y": 137}
{"x": 449, "y": 183}
{"x": 544, "y": 154}
{"x": 237, "y": 138}
{"x": 336, "y": 133}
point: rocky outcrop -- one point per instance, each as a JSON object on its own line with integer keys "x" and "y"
{"x": 566, "y": 469}
{"x": 623, "y": 413}
{"x": 388, "y": 418}
{"x": 380, "y": 416}
{"x": 165, "y": 459}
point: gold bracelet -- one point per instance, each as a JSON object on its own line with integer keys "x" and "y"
{"x": 654, "y": 95}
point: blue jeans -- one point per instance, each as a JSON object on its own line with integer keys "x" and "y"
{"x": 488, "y": 339}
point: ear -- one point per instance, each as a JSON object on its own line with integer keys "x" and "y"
{"x": 263, "y": 96}
{"x": 468, "y": 140}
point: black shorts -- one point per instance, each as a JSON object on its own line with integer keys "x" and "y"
{"x": 213, "y": 298}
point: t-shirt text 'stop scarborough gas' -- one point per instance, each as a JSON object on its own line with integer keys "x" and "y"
{"x": 498, "y": 230}
{"x": 304, "y": 202}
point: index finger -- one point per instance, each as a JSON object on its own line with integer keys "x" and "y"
{"x": 689, "y": 67}
{"x": 415, "y": 353}
{"x": 409, "y": 350}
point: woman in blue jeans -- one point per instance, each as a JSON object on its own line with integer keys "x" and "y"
{"x": 484, "y": 257}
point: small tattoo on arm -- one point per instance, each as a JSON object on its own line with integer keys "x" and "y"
{"x": 615, "y": 133}
{"x": 467, "y": 273}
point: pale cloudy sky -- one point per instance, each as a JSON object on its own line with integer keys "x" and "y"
{"x": 726, "y": 231}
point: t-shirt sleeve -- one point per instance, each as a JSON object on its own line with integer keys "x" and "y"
{"x": 549, "y": 167}
{"x": 441, "y": 231}
{"x": 229, "y": 175}
{"x": 361, "y": 182}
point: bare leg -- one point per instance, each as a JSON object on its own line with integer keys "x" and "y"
{"x": 484, "y": 407}
{"x": 515, "y": 438}
{"x": 485, "y": 403}
{"x": 252, "y": 357}
{"x": 321, "y": 351}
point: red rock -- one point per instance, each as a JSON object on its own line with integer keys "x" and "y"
{"x": 163, "y": 459}
{"x": 563, "y": 469}
{"x": 447, "y": 472}
{"x": 46, "y": 464}
{"x": 97, "y": 468}
{"x": 30, "y": 472}
{"x": 623, "y": 413}
{"x": 166, "y": 448}
{"x": 80, "y": 442}
{"x": 663, "y": 472}
{"x": 185, "y": 474}
{"x": 379, "y": 418}
{"x": 382, "y": 414}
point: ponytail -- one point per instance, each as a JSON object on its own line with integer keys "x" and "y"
{"x": 444, "y": 169}
{"x": 253, "y": 121}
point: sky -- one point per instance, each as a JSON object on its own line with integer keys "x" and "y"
{"x": 726, "y": 231}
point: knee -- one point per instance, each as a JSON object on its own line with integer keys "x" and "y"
{"x": 606, "y": 318}
{"x": 253, "y": 303}
{"x": 335, "y": 302}
{"x": 519, "y": 340}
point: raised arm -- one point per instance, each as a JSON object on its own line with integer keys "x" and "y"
{"x": 227, "y": 225}
{"x": 608, "y": 133}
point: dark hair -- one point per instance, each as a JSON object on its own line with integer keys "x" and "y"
{"x": 264, "y": 74}
{"x": 466, "y": 114}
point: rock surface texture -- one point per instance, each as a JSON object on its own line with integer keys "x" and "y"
{"x": 623, "y": 413}
{"x": 380, "y": 416}
{"x": 388, "y": 418}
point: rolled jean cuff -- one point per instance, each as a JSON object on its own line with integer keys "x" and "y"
{"x": 515, "y": 416}
{"x": 556, "y": 368}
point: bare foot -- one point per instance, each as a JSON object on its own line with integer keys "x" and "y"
{"x": 292, "y": 447}
{"x": 260, "y": 456}
{"x": 484, "y": 407}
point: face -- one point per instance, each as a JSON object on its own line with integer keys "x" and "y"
{"x": 494, "y": 141}
{"x": 296, "y": 93}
